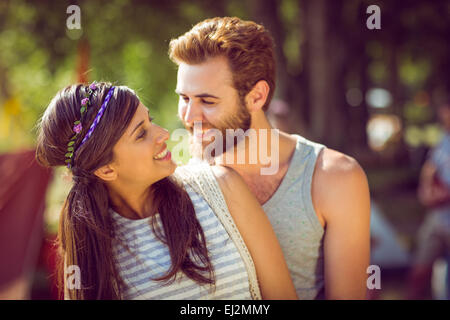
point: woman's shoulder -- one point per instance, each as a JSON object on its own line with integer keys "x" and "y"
{"x": 203, "y": 172}
{"x": 231, "y": 183}
{"x": 189, "y": 171}
{"x": 225, "y": 174}
{"x": 199, "y": 178}
{"x": 210, "y": 181}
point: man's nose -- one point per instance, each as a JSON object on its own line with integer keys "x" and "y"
{"x": 193, "y": 113}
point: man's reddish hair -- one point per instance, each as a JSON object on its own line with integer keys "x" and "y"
{"x": 247, "y": 46}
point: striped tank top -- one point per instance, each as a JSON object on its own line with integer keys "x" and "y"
{"x": 147, "y": 258}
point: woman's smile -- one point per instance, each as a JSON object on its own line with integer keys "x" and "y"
{"x": 163, "y": 155}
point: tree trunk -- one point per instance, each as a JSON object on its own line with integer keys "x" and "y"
{"x": 287, "y": 87}
{"x": 318, "y": 66}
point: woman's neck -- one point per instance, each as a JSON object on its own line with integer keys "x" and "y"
{"x": 131, "y": 203}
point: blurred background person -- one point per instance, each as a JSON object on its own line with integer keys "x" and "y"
{"x": 434, "y": 234}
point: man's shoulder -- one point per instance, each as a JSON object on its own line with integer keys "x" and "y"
{"x": 331, "y": 163}
{"x": 336, "y": 177}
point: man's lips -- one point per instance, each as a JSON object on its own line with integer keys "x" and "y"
{"x": 204, "y": 134}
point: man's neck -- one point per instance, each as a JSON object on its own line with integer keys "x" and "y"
{"x": 250, "y": 155}
{"x": 263, "y": 186}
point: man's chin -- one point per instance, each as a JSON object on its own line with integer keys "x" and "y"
{"x": 201, "y": 151}
{"x": 196, "y": 148}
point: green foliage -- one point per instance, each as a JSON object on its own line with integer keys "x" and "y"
{"x": 289, "y": 14}
{"x": 428, "y": 135}
{"x": 378, "y": 71}
{"x": 414, "y": 113}
{"x": 128, "y": 45}
{"x": 414, "y": 73}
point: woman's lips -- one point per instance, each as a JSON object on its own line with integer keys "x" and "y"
{"x": 163, "y": 155}
{"x": 168, "y": 156}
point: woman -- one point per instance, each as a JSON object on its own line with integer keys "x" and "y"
{"x": 132, "y": 228}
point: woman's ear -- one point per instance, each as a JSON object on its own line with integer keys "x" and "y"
{"x": 257, "y": 97}
{"x": 106, "y": 173}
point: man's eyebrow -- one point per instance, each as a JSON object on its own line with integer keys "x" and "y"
{"x": 139, "y": 124}
{"x": 206, "y": 95}
{"x": 202, "y": 95}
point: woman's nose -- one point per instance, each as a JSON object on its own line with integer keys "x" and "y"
{"x": 163, "y": 135}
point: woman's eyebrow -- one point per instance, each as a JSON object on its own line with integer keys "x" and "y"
{"x": 139, "y": 124}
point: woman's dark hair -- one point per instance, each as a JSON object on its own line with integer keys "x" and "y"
{"x": 86, "y": 231}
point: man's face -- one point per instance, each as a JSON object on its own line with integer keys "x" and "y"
{"x": 207, "y": 96}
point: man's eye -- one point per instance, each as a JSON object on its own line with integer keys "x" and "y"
{"x": 207, "y": 102}
{"x": 186, "y": 99}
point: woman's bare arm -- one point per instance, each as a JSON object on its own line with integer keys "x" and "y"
{"x": 255, "y": 228}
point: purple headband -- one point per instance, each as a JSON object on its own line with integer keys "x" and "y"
{"x": 77, "y": 124}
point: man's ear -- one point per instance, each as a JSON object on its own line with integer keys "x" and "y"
{"x": 106, "y": 173}
{"x": 257, "y": 97}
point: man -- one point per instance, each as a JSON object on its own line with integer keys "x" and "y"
{"x": 317, "y": 199}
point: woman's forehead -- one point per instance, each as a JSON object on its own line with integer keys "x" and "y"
{"x": 141, "y": 113}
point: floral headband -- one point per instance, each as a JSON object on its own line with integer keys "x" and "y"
{"x": 77, "y": 127}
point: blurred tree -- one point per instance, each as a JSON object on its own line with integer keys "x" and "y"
{"x": 323, "y": 50}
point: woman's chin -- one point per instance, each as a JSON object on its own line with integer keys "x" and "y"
{"x": 167, "y": 171}
{"x": 170, "y": 167}
{"x": 166, "y": 166}
{"x": 173, "y": 166}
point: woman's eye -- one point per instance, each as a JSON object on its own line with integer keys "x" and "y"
{"x": 142, "y": 134}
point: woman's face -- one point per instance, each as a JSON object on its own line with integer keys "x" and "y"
{"x": 141, "y": 157}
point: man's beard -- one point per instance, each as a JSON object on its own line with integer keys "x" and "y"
{"x": 241, "y": 120}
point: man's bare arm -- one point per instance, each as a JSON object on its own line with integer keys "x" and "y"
{"x": 341, "y": 195}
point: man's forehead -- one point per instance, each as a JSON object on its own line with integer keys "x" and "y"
{"x": 214, "y": 74}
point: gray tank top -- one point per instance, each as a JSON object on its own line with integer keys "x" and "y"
{"x": 293, "y": 218}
